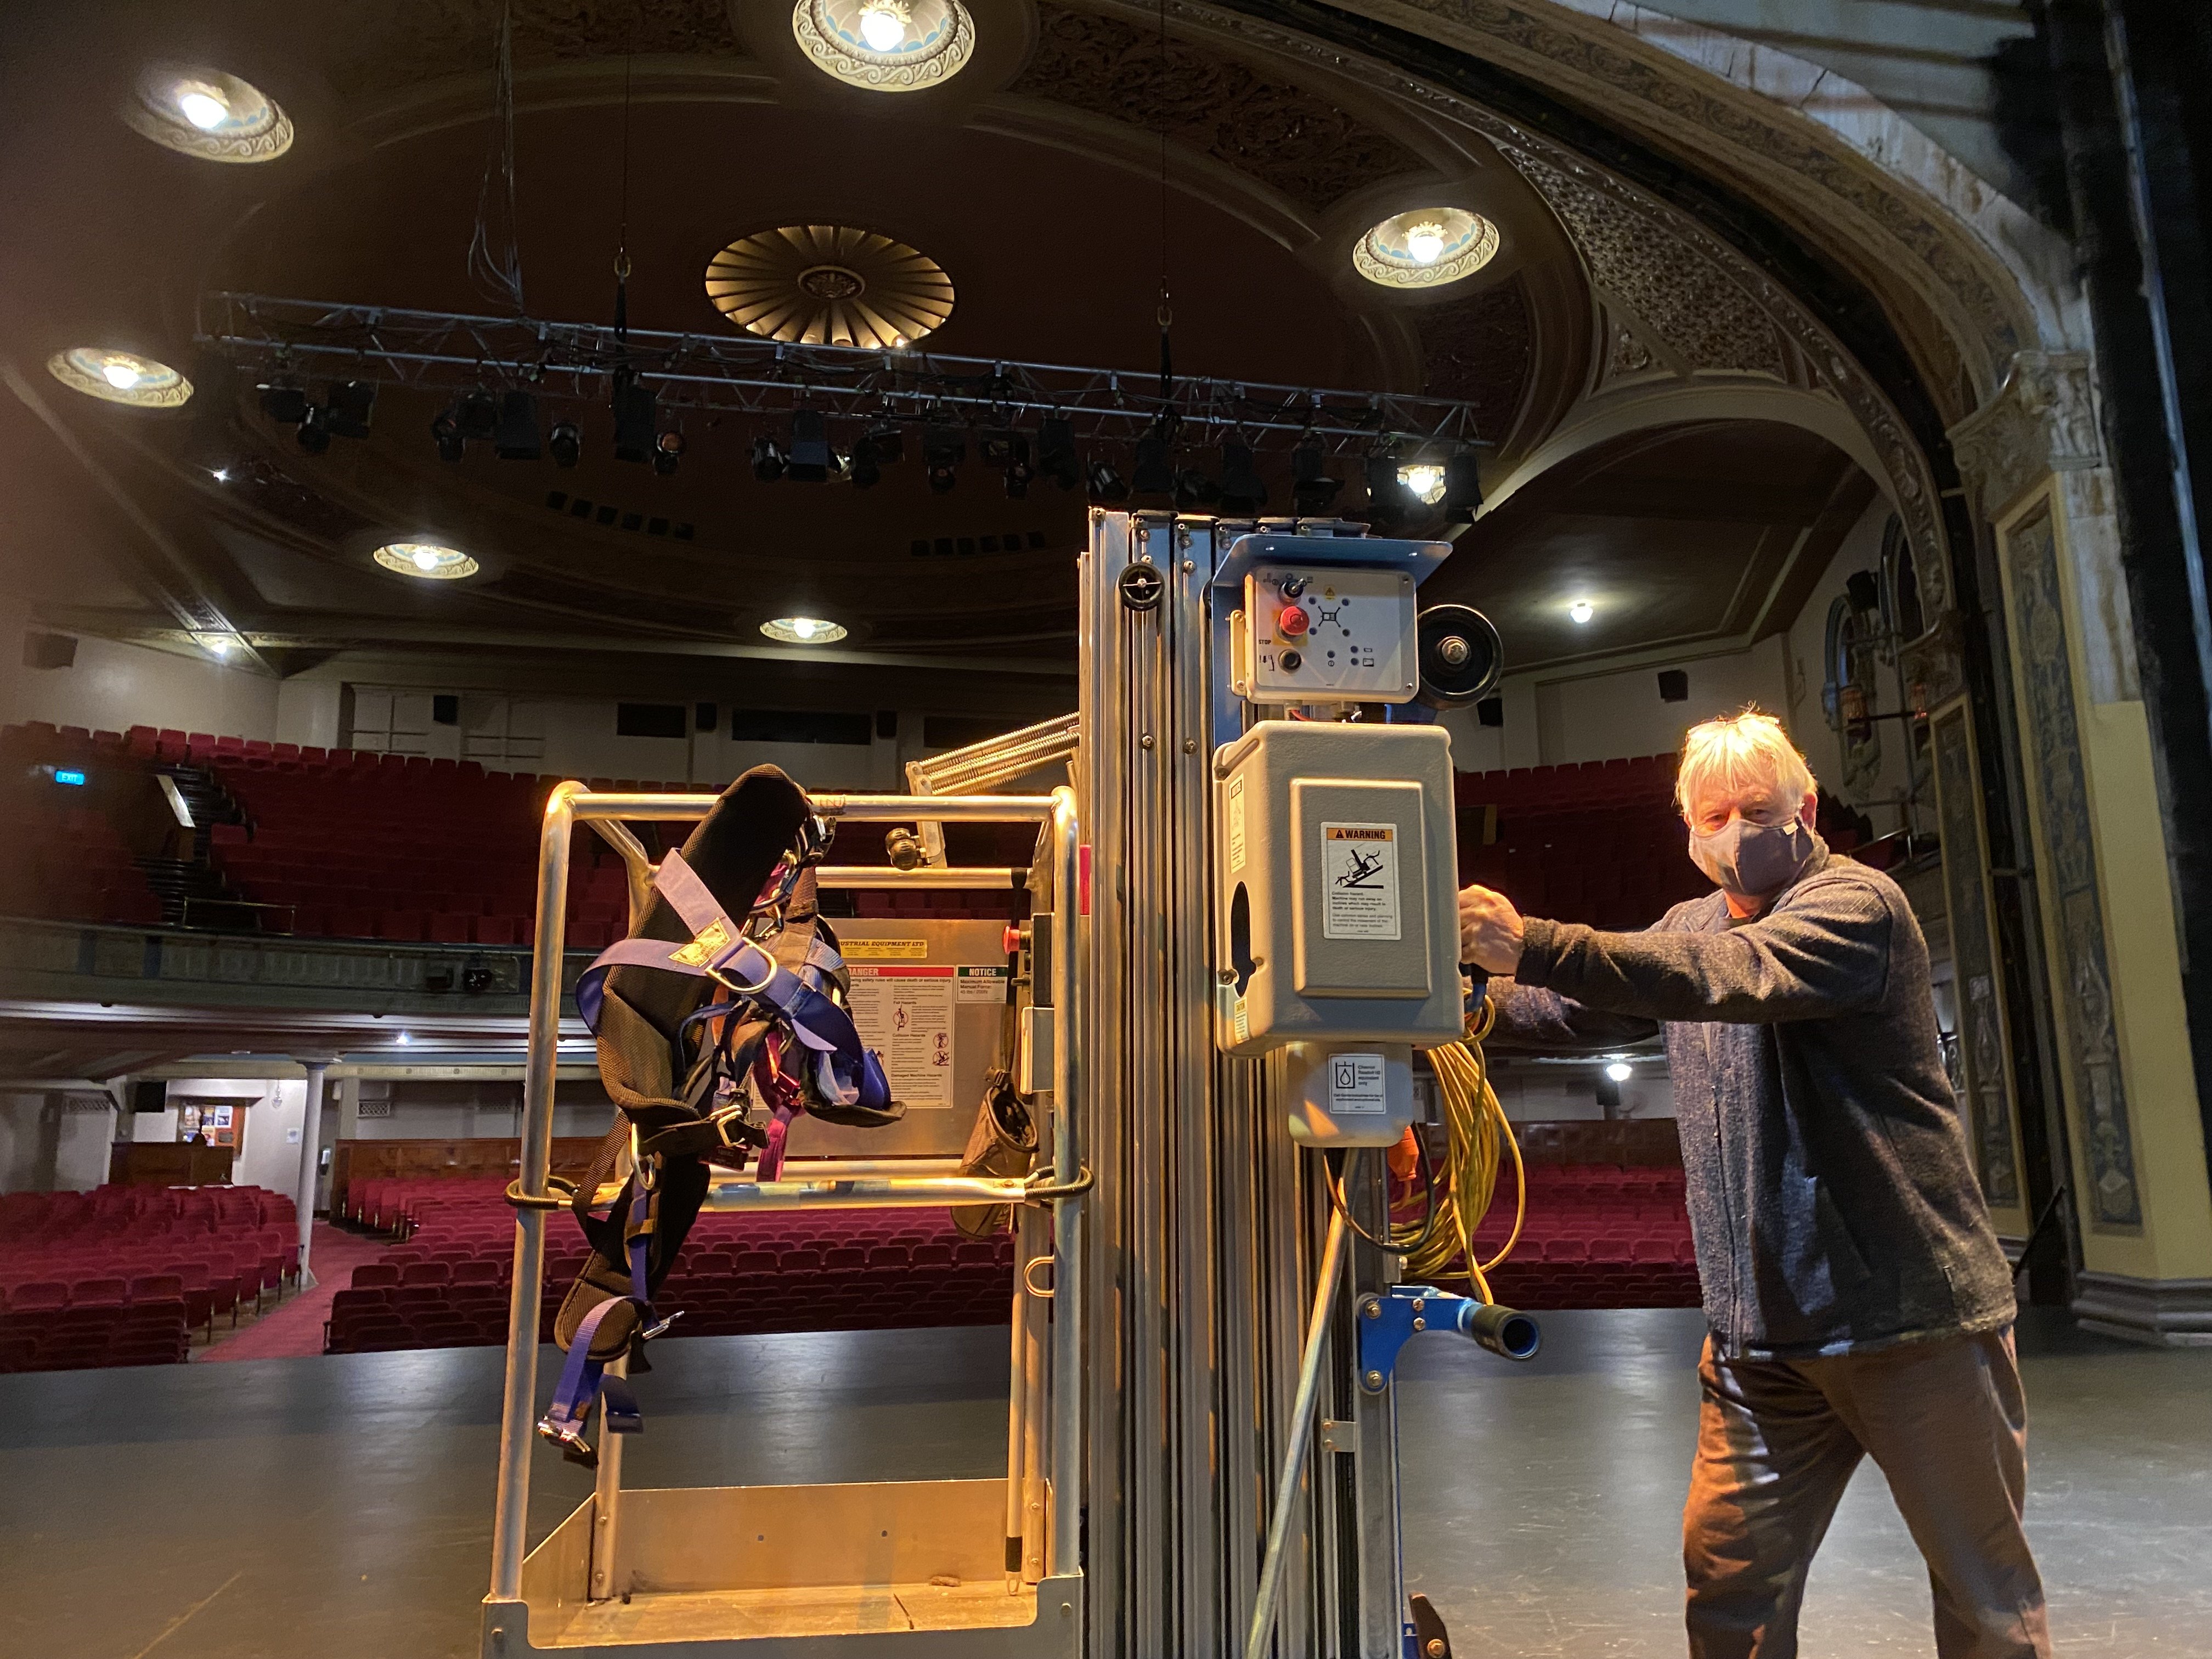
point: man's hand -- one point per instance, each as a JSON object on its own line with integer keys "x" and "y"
{"x": 1489, "y": 931}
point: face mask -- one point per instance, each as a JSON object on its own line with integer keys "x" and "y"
{"x": 1752, "y": 858}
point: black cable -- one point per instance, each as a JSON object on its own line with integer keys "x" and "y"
{"x": 1336, "y": 1160}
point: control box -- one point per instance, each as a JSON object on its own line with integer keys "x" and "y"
{"x": 1324, "y": 635}
{"x": 1337, "y": 908}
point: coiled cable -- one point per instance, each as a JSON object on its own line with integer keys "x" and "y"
{"x": 1477, "y": 1138}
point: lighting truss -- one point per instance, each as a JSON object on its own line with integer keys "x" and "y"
{"x": 445, "y": 353}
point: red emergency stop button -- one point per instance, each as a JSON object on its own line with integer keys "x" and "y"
{"x": 1291, "y": 622}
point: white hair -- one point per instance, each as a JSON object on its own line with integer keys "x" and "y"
{"x": 1740, "y": 752}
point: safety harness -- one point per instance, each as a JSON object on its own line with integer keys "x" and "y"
{"x": 714, "y": 1033}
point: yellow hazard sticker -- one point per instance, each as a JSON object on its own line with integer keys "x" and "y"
{"x": 884, "y": 950}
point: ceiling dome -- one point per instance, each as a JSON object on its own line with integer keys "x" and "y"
{"x": 885, "y": 46}
{"x": 830, "y": 285}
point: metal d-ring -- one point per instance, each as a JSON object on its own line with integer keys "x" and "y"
{"x": 1028, "y": 1280}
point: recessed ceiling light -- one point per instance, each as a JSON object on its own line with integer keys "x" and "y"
{"x": 205, "y": 112}
{"x": 1425, "y": 247}
{"x": 1620, "y": 1071}
{"x": 802, "y": 631}
{"x": 1423, "y": 480}
{"x": 119, "y": 377}
{"x": 220, "y": 474}
{"x": 1582, "y": 610}
{"x": 429, "y": 560}
{"x": 830, "y": 285}
{"x": 885, "y": 46}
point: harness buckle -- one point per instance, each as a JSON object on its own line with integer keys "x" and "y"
{"x": 573, "y": 1447}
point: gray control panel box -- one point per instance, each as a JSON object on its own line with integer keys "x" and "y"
{"x": 1336, "y": 886}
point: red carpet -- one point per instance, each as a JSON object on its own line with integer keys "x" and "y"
{"x": 296, "y": 1327}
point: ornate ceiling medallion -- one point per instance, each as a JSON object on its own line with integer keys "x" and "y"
{"x": 885, "y": 46}
{"x": 830, "y": 285}
{"x": 204, "y": 113}
{"x": 802, "y": 631}
{"x": 119, "y": 377}
{"x": 426, "y": 560}
{"x": 1425, "y": 247}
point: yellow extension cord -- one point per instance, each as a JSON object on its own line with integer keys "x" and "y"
{"x": 1476, "y": 1137}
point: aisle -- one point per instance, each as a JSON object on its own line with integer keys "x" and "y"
{"x": 295, "y": 1329}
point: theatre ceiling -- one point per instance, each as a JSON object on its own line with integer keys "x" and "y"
{"x": 1033, "y": 180}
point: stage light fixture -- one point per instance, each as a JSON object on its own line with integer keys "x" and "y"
{"x": 1056, "y": 456}
{"x": 1424, "y": 481}
{"x": 1388, "y": 501}
{"x": 667, "y": 452}
{"x": 1019, "y": 471}
{"x": 517, "y": 438}
{"x": 477, "y": 414}
{"x": 996, "y": 446}
{"x": 351, "y": 404}
{"x": 887, "y": 440}
{"x": 1243, "y": 488}
{"x": 769, "y": 459}
{"x": 1312, "y": 490}
{"x": 635, "y": 418}
{"x": 1107, "y": 486}
{"x": 862, "y": 470}
{"x": 1193, "y": 488}
{"x": 942, "y": 449}
{"x": 286, "y": 405}
{"x": 314, "y": 434}
{"x": 1154, "y": 470}
{"x": 567, "y": 442}
{"x": 810, "y": 447}
{"x": 446, "y": 433}
{"x": 1462, "y": 497}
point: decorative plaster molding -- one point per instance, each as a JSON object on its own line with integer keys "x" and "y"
{"x": 2168, "y": 1313}
{"x": 2042, "y": 419}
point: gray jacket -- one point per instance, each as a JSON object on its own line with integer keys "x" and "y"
{"x": 1832, "y": 1196}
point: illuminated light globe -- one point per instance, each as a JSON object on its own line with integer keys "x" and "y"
{"x": 428, "y": 561}
{"x": 1620, "y": 1071}
{"x": 885, "y": 46}
{"x": 119, "y": 377}
{"x": 1425, "y": 247}
{"x": 1582, "y": 610}
{"x": 1424, "y": 481}
{"x": 204, "y": 113}
{"x": 802, "y": 631}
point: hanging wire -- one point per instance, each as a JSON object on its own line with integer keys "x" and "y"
{"x": 1167, "y": 307}
{"x": 495, "y": 263}
{"x": 621, "y": 222}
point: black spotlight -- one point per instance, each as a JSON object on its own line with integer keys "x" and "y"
{"x": 1462, "y": 489}
{"x": 1107, "y": 486}
{"x": 667, "y": 452}
{"x": 810, "y": 447}
{"x": 1243, "y": 488}
{"x": 1193, "y": 488}
{"x": 1154, "y": 470}
{"x": 1056, "y": 456}
{"x": 314, "y": 432}
{"x": 446, "y": 433}
{"x": 1019, "y": 471}
{"x": 477, "y": 415}
{"x": 888, "y": 441}
{"x": 287, "y": 404}
{"x": 942, "y": 449}
{"x": 1311, "y": 487}
{"x": 516, "y": 439}
{"x": 635, "y": 418}
{"x": 863, "y": 470}
{"x": 567, "y": 442}
{"x": 996, "y": 446}
{"x": 351, "y": 404}
{"x": 1388, "y": 502}
{"x": 769, "y": 459}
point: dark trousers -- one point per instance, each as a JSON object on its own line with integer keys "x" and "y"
{"x": 1945, "y": 1421}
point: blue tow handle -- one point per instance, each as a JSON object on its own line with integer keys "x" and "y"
{"x": 1387, "y": 1323}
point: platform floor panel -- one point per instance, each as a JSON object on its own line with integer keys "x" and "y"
{"x": 815, "y": 1611}
{"x": 342, "y": 1507}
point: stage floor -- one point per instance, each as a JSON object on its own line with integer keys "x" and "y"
{"x": 342, "y": 1507}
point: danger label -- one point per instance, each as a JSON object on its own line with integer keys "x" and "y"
{"x": 1359, "y": 881}
{"x": 1356, "y": 1087}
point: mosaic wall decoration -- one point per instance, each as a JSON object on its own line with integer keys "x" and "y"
{"x": 1987, "y": 1095}
{"x": 2088, "y": 1041}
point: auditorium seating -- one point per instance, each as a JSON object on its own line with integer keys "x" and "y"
{"x": 1597, "y": 1236}
{"x": 1600, "y": 843}
{"x": 446, "y": 1284}
{"x": 121, "y": 1275}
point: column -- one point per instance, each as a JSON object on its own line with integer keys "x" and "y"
{"x": 311, "y": 1137}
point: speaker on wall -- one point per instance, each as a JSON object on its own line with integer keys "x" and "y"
{"x": 149, "y": 1095}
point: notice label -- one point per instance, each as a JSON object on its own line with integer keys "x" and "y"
{"x": 1356, "y": 1087}
{"x": 1359, "y": 881}
{"x": 884, "y": 950}
{"x": 1236, "y": 803}
{"x": 984, "y": 984}
{"x": 905, "y": 1014}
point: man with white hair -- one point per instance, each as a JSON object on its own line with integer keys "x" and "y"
{"x": 1857, "y": 1301}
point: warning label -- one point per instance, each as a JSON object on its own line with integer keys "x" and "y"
{"x": 884, "y": 950}
{"x": 905, "y": 1014}
{"x": 1359, "y": 881}
{"x": 1235, "y": 823}
{"x": 984, "y": 984}
{"x": 1356, "y": 1087}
